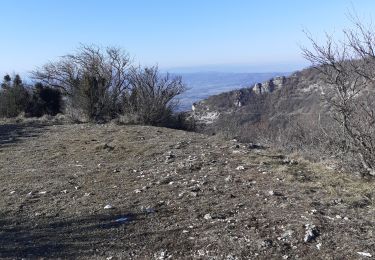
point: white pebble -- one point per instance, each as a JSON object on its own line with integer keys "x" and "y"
{"x": 207, "y": 216}
{"x": 364, "y": 254}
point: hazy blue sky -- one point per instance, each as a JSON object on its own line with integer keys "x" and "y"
{"x": 232, "y": 35}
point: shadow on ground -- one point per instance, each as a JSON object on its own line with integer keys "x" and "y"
{"x": 68, "y": 238}
{"x": 14, "y": 133}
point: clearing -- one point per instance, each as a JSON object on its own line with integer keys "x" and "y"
{"x": 136, "y": 192}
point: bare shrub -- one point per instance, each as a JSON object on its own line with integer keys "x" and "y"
{"x": 348, "y": 70}
{"x": 94, "y": 80}
{"x": 152, "y": 99}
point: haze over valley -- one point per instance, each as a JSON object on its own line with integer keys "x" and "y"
{"x": 201, "y": 85}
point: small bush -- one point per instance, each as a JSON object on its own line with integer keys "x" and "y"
{"x": 44, "y": 101}
{"x": 152, "y": 97}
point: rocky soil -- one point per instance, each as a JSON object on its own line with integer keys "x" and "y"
{"x": 132, "y": 192}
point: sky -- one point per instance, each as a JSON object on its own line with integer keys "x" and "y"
{"x": 176, "y": 35}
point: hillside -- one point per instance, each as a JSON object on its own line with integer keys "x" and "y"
{"x": 201, "y": 85}
{"x": 136, "y": 192}
{"x": 273, "y": 102}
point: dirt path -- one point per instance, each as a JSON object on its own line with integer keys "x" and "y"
{"x": 131, "y": 192}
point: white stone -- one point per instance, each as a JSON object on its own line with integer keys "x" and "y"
{"x": 228, "y": 179}
{"x": 364, "y": 254}
{"x": 109, "y": 206}
{"x": 207, "y": 216}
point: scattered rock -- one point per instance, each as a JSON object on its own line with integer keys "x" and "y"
{"x": 165, "y": 180}
{"x": 229, "y": 178}
{"x": 287, "y": 234}
{"x": 170, "y": 156}
{"x": 275, "y": 193}
{"x": 108, "y": 206}
{"x": 289, "y": 161}
{"x": 207, "y": 216}
{"x": 163, "y": 255}
{"x": 311, "y": 233}
{"x": 364, "y": 254}
{"x": 195, "y": 189}
{"x": 194, "y": 194}
{"x": 104, "y": 146}
{"x": 266, "y": 243}
{"x": 148, "y": 209}
{"x": 252, "y": 146}
{"x": 108, "y": 147}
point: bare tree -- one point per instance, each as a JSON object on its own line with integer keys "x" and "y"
{"x": 93, "y": 79}
{"x": 348, "y": 71}
{"x": 153, "y": 96}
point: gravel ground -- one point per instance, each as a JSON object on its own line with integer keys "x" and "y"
{"x": 135, "y": 192}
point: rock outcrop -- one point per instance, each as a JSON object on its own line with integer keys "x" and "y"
{"x": 269, "y": 86}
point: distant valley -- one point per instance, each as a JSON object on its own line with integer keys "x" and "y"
{"x": 204, "y": 84}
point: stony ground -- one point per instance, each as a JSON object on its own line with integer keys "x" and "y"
{"x": 130, "y": 192}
